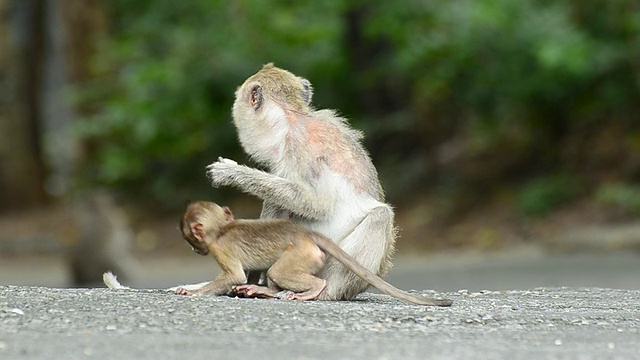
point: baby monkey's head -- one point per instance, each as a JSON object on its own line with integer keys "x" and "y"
{"x": 201, "y": 221}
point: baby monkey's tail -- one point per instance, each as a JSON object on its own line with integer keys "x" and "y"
{"x": 111, "y": 281}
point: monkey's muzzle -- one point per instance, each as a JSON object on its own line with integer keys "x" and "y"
{"x": 199, "y": 251}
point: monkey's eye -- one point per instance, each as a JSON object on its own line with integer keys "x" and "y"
{"x": 256, "y": 97}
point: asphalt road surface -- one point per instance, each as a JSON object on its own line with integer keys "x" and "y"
{"x": 544, "y": 323}
{"x": 527, "y": 313}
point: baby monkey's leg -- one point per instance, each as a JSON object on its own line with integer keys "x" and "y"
{"x": 295, "y": 271}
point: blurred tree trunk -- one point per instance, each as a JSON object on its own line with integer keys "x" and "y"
{"x": 45, "y": 45}
{"x": 375, "y": 92}
{"x": 84, "y": 21}
{"x": 73, "y": 28}
{"x": 21, "y": 163}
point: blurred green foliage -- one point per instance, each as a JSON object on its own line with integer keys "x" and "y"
{"x": 540, "y": 195}
{"x": 623, "y": 196}
{"x": 482, "y": 93}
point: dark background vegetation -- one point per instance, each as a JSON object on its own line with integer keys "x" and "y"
{"x": 500, "y": 113}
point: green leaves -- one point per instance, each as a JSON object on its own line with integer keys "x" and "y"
{"x": 623, "y": 196}
{"x": 541, "y": 195}
{"x": 425, "y": 71}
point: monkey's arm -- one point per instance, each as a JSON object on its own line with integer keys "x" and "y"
{"x": 232, "y": 274}
{"x": 216, "y": 287}
{"x": 272, "y": 211}
{"x": 283, "y": 193}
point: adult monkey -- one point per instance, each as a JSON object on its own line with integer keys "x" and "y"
{"x": 320, "y": 175}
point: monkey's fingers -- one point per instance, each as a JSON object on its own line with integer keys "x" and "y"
{"x": 221, "y": 172}
{"x": 226, "y": 161}
{"x": 221, "y": 163}
{"x": 183, "y": 291}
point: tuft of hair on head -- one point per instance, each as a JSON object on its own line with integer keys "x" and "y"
{"x": 307, "y": 94}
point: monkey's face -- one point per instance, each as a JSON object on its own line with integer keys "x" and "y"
{"x": 198, "y": 247}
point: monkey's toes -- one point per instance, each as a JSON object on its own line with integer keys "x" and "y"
{"x": 285, "y": 295}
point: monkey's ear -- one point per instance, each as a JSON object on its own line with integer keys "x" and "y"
{"x": 228, "y": 213}
{"x": 307, "y": 92}
{"x": 256, "y": 97}
{"x": 197, "y": 230}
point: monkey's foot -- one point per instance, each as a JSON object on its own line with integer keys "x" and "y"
{"x": 263, "y": 292}
{"x": 255, "y": 291}
{"x": 183, "y": 291}
{"x": 286, "y": 295}
{"x": 311, "y": 294}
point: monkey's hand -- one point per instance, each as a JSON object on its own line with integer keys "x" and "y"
{"x": 183, "y": 291}
{"x": 223, "y": 172}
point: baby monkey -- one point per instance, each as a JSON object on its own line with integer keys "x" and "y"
{"x": 291, "y": 254}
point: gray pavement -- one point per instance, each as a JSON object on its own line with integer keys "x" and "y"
{"x": 545, "y": 323}
{"x": 514, "y": 319}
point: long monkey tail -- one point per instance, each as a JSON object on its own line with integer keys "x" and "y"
{"x": 334, "y": 250}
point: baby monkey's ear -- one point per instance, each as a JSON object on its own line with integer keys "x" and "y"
{"x": 197, "y": 230}
{"x": 228, "y": 213}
